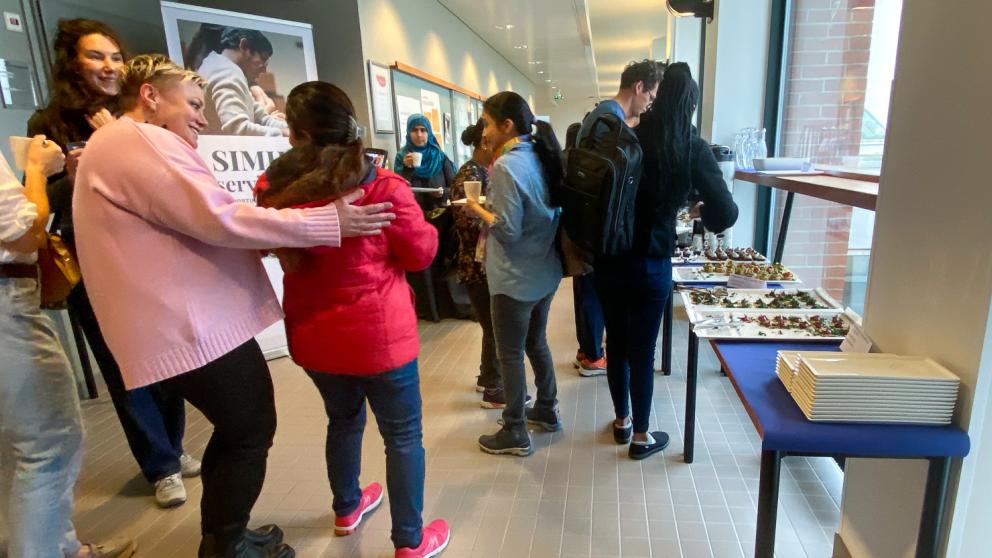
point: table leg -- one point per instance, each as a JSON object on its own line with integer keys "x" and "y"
{"x": 690, "y": 396}
{"x": 764, "y": 540}
{"x": 928, "y": 541}
{"x": 783, "y": 229}
{"x": 666, "y": 335}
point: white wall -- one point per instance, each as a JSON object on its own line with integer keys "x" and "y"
{"x": 934, "y": 202}
{"x": 734, "y": 88}
{"x": 425, "y": 35}
{"x": 565, "y": 113}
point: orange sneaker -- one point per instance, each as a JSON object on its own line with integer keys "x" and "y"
{"x": 589, "y": 368}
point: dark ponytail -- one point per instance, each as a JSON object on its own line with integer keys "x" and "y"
{"x": 332, "y": 162}
{"x": 508, "y": 105}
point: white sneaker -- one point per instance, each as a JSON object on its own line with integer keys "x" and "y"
{"x": 170, "y": 492}
{"x": 189, "y": 465}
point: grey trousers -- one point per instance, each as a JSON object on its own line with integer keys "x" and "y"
{"x": 521, "y": 328}
{"x": 40, "y": 428}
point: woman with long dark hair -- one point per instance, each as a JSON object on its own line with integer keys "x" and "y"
{"x": 349, "y": 316}
{"x": 522, "y": 263}
{"x": 83, "y": 96}
{"x": 635, "y": 287}
{"x": 470, "y": 267}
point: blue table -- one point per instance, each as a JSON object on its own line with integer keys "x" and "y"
{"x": 785, "y": 431}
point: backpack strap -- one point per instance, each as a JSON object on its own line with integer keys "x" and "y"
{"x": 605, "y": 133}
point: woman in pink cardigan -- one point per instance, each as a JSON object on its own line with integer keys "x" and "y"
{"x": 173, "y": 270}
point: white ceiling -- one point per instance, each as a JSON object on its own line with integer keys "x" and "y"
{"x": 577, "y": 46}
{"x": 622, "y": 31}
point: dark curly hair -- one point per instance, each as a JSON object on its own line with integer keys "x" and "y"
{"x": 472, "y": 135}
{"x": 70, "y": 98}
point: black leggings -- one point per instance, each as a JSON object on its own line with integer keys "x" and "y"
{"x": 235, "y": 393}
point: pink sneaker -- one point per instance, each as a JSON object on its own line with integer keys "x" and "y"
{"x": 435, "y": 538}
{"x": 371, "y": 498}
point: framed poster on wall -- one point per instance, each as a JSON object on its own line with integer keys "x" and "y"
{"x": 381, "y": 86}
{"x": 244, "y": 101}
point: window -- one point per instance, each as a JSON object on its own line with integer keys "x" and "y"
{"x": 838, "y": 70}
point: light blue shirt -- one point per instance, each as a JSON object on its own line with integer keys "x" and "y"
{"x": 522, "y": 260}
{"x": 609, "y": 106}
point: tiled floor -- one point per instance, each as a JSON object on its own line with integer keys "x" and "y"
{"x": 577, "y": 496}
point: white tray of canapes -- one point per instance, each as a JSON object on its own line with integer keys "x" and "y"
{"x": 758, "y": 300}
{"x": 772, "y": 325}
{"x": 720, "y": 272}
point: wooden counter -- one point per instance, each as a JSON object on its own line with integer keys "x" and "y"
{"x": 857, "y": 193}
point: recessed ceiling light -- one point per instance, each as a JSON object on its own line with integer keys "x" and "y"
{"x": 548, "y": 80}
{"x": 500, "y": 27}
{"x": 540, "y": 72}
{"x": 520, "y": 46}
{"x": 508, "y": 26}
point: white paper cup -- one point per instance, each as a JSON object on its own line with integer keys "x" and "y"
{"x": 19, "y": 148}
{"x": 417, "y": 158}
{"x": 473, "y": 189}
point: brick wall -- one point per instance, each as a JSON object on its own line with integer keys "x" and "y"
{"x": 826, "y": 78}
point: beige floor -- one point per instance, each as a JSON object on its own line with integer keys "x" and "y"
{"x": 578, "y": 495}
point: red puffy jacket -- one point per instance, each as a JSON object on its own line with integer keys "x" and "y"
{"x": 349, "y": 310}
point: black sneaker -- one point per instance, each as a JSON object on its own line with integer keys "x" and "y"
{"x": 479, "y": 386}
{"x": 493, "y": 398}
{"x": 507, "y": 442}
{"x": 623, "y": 434}
{"x": 640, "y": 451}
{"x": 266, "y": 535}
{"x": 548, "y": 419}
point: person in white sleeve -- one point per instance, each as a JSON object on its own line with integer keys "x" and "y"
{"x": 41, "y": 429}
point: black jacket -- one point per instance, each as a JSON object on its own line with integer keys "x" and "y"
{"x": 442, "y": 179}
{"x": 659, "y": 198}
{"x": 74, "y": 128}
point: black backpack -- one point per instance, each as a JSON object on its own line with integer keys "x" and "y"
{"x": 600, "y": 186}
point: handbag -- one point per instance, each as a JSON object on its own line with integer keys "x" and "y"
{"x": 59, "y": 273}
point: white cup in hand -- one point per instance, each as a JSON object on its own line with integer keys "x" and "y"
{"x": 417, "y": 158}
{"x": 473, "y": 189}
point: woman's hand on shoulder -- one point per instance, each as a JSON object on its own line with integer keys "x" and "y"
{"x": 100, "y": 119}
{"x": 366, "y": 220}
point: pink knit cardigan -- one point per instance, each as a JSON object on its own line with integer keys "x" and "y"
{"x": 170, "y": 259}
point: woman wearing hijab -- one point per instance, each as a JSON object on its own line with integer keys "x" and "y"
{"x": 435, "y": 169}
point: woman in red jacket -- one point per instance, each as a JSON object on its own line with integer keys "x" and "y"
{"x": 350, "y": 316}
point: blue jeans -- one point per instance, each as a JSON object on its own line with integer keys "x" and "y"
{"x": 153, "y": 419}
{"x": 40, "y": 428}
{"x": 588, "y": 316}
{"x": 395, "y": 400}
{"x": 634, "y": 291}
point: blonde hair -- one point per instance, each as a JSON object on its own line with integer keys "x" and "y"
{"x": 155, "y": 69}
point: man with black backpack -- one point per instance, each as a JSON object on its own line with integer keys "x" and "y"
{"x": 598, "y": 196}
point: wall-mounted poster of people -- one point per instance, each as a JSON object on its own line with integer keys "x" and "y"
{"x": 249, "y": 63}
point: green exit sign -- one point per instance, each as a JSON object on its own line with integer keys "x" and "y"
{"x": 559, "y": 96}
